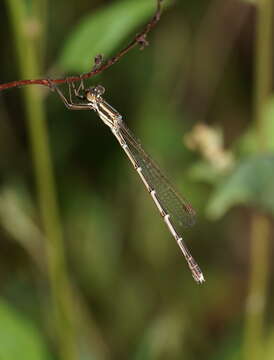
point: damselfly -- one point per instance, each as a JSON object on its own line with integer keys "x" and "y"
{"x": 175, "y": 210}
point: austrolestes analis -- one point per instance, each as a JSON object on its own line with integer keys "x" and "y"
{"x": 175, "y": 210}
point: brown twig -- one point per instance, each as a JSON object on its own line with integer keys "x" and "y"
{"x": 99, "y": 65}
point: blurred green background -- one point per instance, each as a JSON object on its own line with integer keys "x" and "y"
{"x": 88, "y": 269}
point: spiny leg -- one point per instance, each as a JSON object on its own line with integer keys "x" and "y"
{"x": 81, "y": 87}
{"x": 70, "y": 105}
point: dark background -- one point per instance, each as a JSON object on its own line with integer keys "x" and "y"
{"x": 88, "y": 269}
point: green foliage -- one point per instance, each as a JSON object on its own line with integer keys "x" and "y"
{"x": 101, "y": 32}
{"x": 231, "y": 349}
{"x": 203, "y": 171}
{"x": 250, "y": 184}
{"x": 19, "y": 339}
{"x": 132, "y": 294}
{"x": 97, "y": 246}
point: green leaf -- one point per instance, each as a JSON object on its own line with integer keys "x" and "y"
{"x": 102, "y": 31}
{"x": 18, "y": 337}
{"x": 252, "y": 183}
{"x": 204, "y": 171}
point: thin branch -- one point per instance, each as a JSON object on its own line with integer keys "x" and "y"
{"x": 100, "y": 66}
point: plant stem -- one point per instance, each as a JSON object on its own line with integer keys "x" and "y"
{"x": 263, "y": 69}
{"x": 260, "y": 226}
{"x": 256, "y": 299}
{"x": 60, "y": 287}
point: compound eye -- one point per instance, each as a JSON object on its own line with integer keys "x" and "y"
{"x": 99, "y": 90}
{"x": 95, "y": 91}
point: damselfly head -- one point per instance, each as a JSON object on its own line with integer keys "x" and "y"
{"x": 95, "y": 91}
